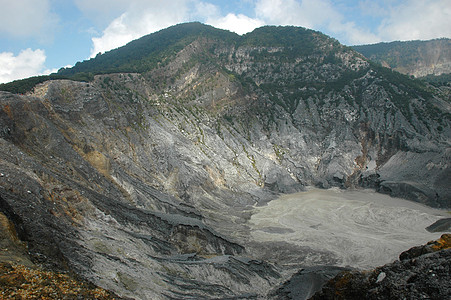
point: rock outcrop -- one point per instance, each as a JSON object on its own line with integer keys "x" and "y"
{"x": 421, "y": 273}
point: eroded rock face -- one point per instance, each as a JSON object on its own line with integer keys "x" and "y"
{"x": 143, "y": 183}
{"x": 77, "y": 209}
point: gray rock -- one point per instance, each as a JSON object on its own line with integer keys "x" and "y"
{"x": 441, "y": 225}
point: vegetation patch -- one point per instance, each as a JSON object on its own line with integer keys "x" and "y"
{"x": 20, "y": 282}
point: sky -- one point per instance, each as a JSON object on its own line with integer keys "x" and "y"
{"x": 41, "y": 36}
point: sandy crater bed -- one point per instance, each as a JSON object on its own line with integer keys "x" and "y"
{"x": 357, "y": 228}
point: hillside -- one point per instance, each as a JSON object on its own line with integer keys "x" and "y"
{"x": 144, "y": 177}
{"x": 416, "y": 58}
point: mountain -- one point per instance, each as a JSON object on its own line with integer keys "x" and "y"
{"x": 416, "y": 58}
{"x": 143, "y": 178}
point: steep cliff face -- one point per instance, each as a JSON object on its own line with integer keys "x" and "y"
{"x": 154, "y": 174}
{"x": 417, "y": 58}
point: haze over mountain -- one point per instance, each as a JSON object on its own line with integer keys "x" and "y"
{"x": 417, "y": 58}
{"x": 143, "y": 178}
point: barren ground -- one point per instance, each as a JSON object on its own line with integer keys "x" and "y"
{"x": 357, "y": 228}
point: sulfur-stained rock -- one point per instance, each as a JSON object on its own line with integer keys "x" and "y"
{"x": 20, "y": 282}
{"x": 441, "y": 244}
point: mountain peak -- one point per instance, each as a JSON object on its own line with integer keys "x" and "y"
{"x": 144, "y": 53}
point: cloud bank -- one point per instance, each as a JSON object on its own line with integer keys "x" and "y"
{"x": 144, "y": 17}
{"x": 396, "y": 19}
{"x": 417, "y": 20}
{"x": 26, "y": 64}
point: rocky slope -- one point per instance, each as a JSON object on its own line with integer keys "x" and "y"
{"x": 142, "y": 182}
{"x": 416, "y": 58}
{"x": 20, "y": 278}
{"x": 421, "y": 273}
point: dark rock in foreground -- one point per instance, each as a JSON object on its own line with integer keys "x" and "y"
{"x": 443, "y": 243}
{"x": 440, "y": 225}
{"x": 305, "y": 283}
{"x": 420, "y": 274}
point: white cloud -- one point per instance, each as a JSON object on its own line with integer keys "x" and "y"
{"x": 102, "y": 12}
{"x": 135, "y": 18}
{"x": 417, "y": 19}
{"x": 240, "y": 24}
{"x": 27, "y": 63}
{"x": 140, "y": 18}
{"x": 289, "y": 12}
{"x": 351, "y": 34}
{"x": 400, "y": 19}
{"x": 204, "y": 9}
{"x": 27, "y": 18}
{"x": 373, "y": 8}
{"x": 320, "y": 15}
{"x": 211, "y": 15}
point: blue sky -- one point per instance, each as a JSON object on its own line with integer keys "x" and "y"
{"x": 41, "y": 36}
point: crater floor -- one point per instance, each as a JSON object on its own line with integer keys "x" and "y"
{"x": 350, "y": 228}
